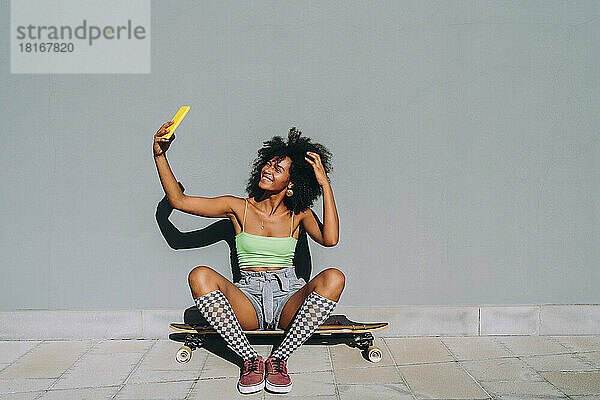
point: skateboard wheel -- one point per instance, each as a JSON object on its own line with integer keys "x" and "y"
{"x": 374, "y": 353}
{"x": 184, "y": 354}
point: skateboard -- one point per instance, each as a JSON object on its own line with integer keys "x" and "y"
{"x": 337, "y": 326}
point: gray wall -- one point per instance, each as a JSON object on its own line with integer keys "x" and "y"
{"x": 464, "y": 133}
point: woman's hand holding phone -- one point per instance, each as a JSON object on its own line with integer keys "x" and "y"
{"x": 162, "y": 144}
{"x": 164, "y": 137}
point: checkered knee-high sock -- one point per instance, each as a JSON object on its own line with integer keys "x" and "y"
{"x": 313, "y": 312}
{"x": 215, "y": 307}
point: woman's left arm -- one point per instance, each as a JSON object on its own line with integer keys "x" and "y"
{"x": 331, "y": 222}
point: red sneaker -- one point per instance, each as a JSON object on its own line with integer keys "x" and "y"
{"x": 252, "y": 376}
{"x": 277, "y": 380}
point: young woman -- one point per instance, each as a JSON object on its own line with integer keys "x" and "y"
{"x": 285, "y": 181}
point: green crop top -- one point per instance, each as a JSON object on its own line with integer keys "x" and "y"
{"x": 264, "y": 251}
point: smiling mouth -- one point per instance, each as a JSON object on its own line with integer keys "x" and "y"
{"x": 266, "y": 178}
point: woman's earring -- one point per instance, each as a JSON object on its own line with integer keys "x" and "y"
{"x": 289, "y": 193}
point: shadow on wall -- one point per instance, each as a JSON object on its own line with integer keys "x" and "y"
{"x": 223, "y": 230}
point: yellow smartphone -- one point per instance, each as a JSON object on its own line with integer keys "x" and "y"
{"x": 176, "y": 121}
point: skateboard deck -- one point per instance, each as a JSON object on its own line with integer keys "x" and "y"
{"x": 356, "y": 334}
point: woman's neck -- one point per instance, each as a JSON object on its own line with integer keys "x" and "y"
{"x": 270, "y": 203}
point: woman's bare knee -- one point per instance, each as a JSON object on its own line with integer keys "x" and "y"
{"x": 330, "y": 283}
{"x": 200, "y": 274}
{"x": 202, "y": 280}
{"x": 334, "y": 279}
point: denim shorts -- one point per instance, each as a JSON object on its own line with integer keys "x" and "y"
{"x": 268, "y": 292}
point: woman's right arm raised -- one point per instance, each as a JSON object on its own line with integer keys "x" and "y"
{"x": 218, "y": 207}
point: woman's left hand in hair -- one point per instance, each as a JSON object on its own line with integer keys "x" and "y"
{"x": 315, "y": 160}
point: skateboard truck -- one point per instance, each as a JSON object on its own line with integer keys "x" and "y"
{"x": 191, "y": 343}
{"x": 365, "y": 343}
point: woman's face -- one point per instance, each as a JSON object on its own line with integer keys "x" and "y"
{"x": 275, "y": 175}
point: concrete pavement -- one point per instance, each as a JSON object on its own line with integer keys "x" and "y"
{"x": 438, "y": 367}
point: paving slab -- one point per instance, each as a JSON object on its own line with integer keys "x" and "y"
{"x": 148, "y": 376}
{"x": 501, "y": 369}
{"x": 80, "y": 394}
{"x": 368, "y": 375}
{"x": 122, "y": 346}
{"x": 558, "y": 362}
{"x": 94, "y": 370}
{"x": 532, "y": 345}
{"x": 521, "y": 388}
{"x": 216, "y": 367}
{"x": 268, "y": 395}
{"x": 579, "y": 343}
{"x": 530, "y": 397}
{"x": 388, "y": 391}
{"x": 162, "y": 357}
{"x": 155, "y": 391}
{"x": 10, "y": 350}
{"x": 414, "y": 350}
{"x": 220, "y": 389}
{"x": 344, "y": 356}
{"x": 593, "y": 357}
{"x": 311, "y": 384}
{"x": 48, "y": 360}
{"x": 24, "y": 384}
{"x": 475, "y": 348}
{"x": 441, "y": 381}
{"x": 309, "y": 359}
{"x": 20, "y": 396}
{"x": 575, "y": 382}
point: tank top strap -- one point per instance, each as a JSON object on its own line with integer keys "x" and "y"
{"x": 292, "y": 227}
{"x": 245, "y": 207}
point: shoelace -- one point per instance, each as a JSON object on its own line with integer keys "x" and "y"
{"x": 278, "y": 365}
{"x": 252, "y": 365}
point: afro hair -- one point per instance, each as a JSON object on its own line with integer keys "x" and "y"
{"x": 306, "y": 188}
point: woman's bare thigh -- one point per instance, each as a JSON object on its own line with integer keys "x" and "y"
{"x": 321, "y": 284}
{"x": 204, "y": 280}
{"x": 294, "y": 302}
